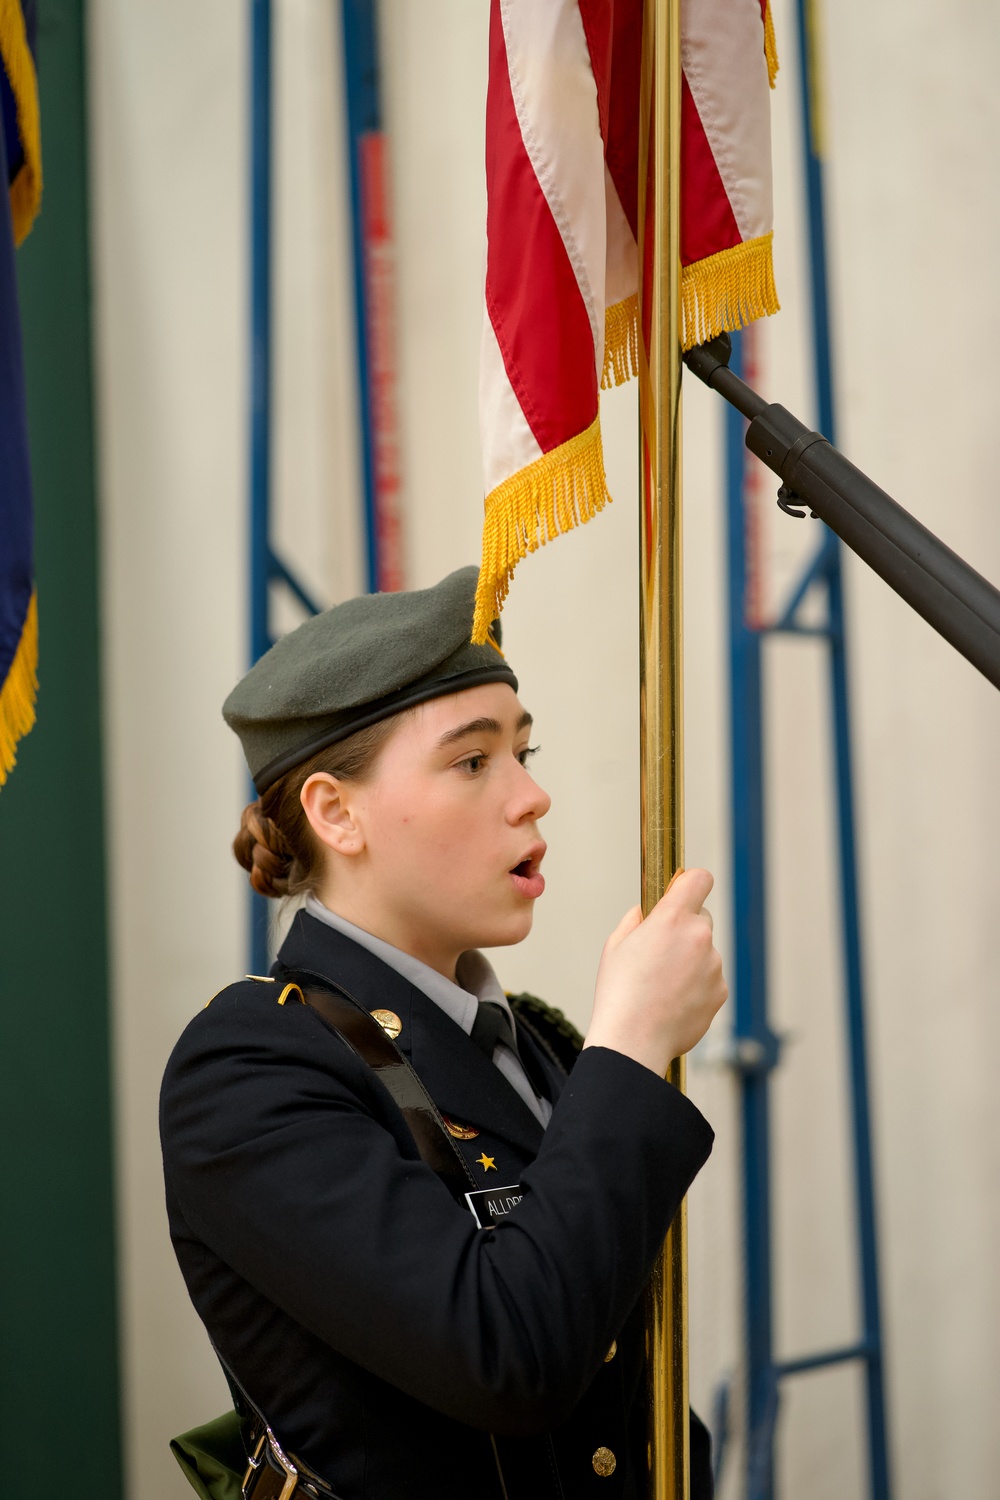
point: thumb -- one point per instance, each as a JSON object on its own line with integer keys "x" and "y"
{"x": 629, "y": 922}
{"x": 688, "y": 891}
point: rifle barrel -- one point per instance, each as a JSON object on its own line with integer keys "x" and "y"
{"x": 960, "y": 604}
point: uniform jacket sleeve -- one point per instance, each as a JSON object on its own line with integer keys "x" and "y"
{"x": 287, "y": 1158}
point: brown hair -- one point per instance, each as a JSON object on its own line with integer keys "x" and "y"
{"x": 275, "y": 842}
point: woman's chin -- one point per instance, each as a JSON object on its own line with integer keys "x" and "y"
{"x": 506, "y": 931}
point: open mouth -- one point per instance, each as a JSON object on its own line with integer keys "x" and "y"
{"x": 527, "y": 875}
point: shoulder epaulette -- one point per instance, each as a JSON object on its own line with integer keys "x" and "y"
{"x": 257, "y": 979}
{"x": 553, "y": 1026}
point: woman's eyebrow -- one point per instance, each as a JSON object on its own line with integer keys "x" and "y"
{"x": 481, "y": 726}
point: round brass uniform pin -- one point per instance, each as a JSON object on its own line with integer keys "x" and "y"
{"x": 604, "y": 1462}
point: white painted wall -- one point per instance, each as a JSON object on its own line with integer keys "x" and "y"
{"x": 914, "y": 128}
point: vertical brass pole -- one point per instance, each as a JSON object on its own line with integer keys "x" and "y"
{"x": 660, "y": 658}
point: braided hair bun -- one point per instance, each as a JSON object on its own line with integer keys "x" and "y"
{"x": 262, "y": 850}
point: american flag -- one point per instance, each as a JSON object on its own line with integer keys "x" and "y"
{"x": 562, "y": 163}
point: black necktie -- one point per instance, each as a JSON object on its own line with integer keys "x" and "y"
{"x": 492, "y": 1025}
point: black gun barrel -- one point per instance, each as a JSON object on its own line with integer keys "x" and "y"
{"x": 958, "y": 602}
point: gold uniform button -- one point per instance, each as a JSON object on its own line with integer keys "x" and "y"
{"x": 611, "y": 1352}
{"x": 604, "y": 1462}
{"x": 389, "y": 1022}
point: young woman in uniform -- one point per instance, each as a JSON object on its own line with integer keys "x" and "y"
{"x": 426, "y": 1297}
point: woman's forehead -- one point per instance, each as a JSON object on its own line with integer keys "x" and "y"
{"x": 446, "y": 715}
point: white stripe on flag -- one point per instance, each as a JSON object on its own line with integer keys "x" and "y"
{"x": 555, "y": 99}
{"x": 722, "y": 54}
{"x": 508, "y": 442}
{"x": 623, "y": 257}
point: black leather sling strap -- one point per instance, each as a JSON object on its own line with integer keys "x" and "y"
{"x": 363, "y": 1034}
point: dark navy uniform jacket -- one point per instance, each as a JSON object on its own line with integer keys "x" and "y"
{"x": 382, "y": 1333}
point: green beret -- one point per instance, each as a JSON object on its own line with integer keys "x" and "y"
{"x": 356, "y": 664}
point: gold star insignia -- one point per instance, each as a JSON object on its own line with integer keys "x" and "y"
{"x": 486, "y": 1162}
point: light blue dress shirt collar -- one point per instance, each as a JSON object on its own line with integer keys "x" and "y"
{"x": 460, "y": 1001}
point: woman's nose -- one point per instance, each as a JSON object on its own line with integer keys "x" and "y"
{"x": 531, "y": 800}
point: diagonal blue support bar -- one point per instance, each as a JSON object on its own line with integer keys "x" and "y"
{"x": 280, "y": 573}
{"x": 822, "y": 1361}
{"x": 814, "y": 571}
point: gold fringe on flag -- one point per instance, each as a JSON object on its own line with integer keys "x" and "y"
{"x": 727, "y": 290}
{"x": 18, "y": 692}
{"x": 560, "y": 490}
{"x": 770, "y": 46}
{"x": 621, "y": 342}
{"x": 26, "y": 189}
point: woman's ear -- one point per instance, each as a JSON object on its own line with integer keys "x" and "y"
{"x": 327, "y": 803}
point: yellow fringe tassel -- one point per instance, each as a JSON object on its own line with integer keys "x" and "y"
{"x": 26, "y": 189}
{"x": 18, "y": 693}
{"x": 560, "y": 490}
{"x": 770, "y": 46}
{"x": 621, "y": 342}
{"x": 727, "y": 290}
{"x": 568, "y": 486}
{"x": 724, "y": 291}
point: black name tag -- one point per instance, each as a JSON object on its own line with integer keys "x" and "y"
{"x": 490, "y": 1204}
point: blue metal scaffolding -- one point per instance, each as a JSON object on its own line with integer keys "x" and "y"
{"x": 266, "y": 567}
{"x": 756, "y": 1047}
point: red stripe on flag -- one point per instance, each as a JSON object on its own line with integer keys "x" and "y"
{"x": 532, "y": 296}
{"x": 622, "y": 137}
{"x": 597, "y": 17}
{"x": 708, "y": 224}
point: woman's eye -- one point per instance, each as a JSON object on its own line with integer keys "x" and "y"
{"x": 525, "y": 755}
{"x": 472, "y": 763}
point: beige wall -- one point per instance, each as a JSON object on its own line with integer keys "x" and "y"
{"x": 914, "y": 128}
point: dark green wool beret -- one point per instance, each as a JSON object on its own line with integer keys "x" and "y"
{"x": 356, "y": 664}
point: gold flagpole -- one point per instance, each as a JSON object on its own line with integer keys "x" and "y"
{"x": 660, "y": 657}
